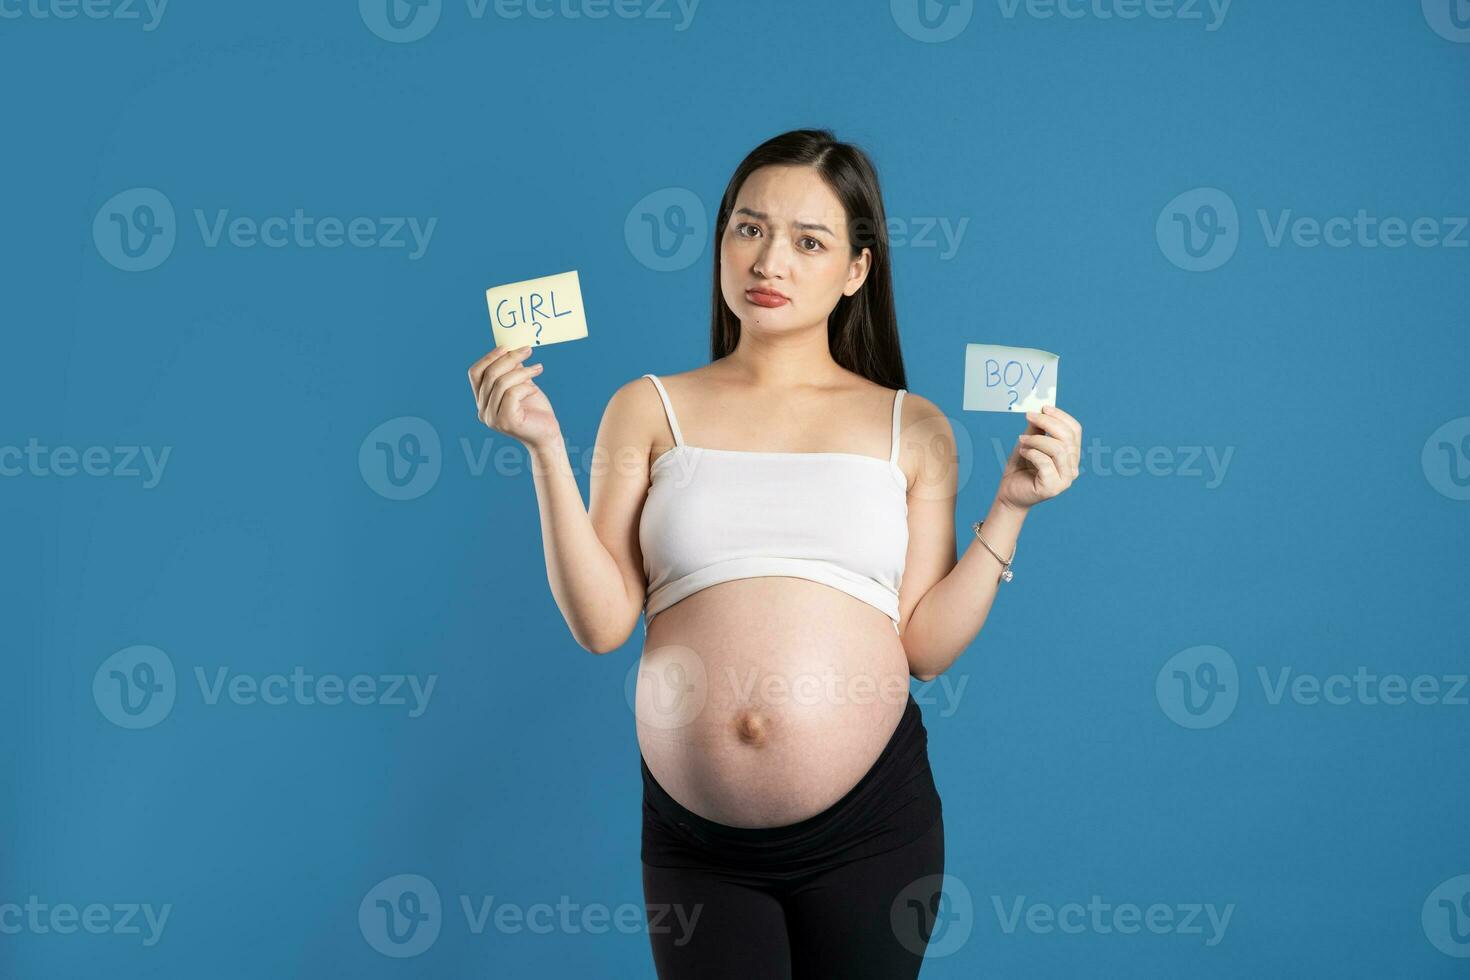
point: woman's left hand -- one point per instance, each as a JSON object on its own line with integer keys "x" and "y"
{"x": 1045, "y": 460}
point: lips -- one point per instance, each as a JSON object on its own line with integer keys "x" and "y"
{"x": 766, "y": 297}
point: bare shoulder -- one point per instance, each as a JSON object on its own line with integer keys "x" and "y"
{"x": 635, "y": 413}
{"x": 927, "y": 451}
{"x": 634, "y": 404}
{"x": 918, "y": 409}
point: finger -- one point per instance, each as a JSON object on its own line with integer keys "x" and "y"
{"x": 1045, "y": 468}
{"x": 1051, "y": 425}
{"x": 485, "y": 394}
{"x": 503, "y": 383}
{"x": 1055, "y": 448}
{"x": 511, "y": 403}
{"x": 478, "y": 369}
{"x": 1061, "y": 450}
{"x": 1076, "y": 426}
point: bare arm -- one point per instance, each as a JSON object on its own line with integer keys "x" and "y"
{"x": 593, "y": 564}
{"x": 593, "y": 561}
{"x": 948, "y": 602}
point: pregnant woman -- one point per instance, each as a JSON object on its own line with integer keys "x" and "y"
{"x": 783, "y": 519}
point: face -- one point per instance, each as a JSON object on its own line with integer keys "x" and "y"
{"x": 788, "y": 234}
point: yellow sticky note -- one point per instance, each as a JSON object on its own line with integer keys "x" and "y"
{"x": 547, "y": 310}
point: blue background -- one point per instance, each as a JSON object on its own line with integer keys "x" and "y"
{"x": 266, "y": 546}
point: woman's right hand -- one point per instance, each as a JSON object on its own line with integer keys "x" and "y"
{"x": 509, "y": 401}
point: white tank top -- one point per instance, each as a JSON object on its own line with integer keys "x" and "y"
{"x": 713, "y": 515}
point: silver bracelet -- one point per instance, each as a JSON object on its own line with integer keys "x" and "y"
{"x": 1005, "y": 563}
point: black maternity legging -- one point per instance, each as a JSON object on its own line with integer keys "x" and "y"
{"x": 850, "y": 893}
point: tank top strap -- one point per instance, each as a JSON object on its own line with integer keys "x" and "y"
{"x": 668, "y": 409}
{"x": 897, "y": 413}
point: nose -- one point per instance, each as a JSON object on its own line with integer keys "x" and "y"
{"x": 773, "y": 259}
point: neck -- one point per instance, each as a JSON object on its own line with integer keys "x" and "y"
{"x": 764, "y": 359}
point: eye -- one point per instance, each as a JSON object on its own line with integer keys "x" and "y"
{"x": 740, "y": 225}
{"x": 817, "y": 244}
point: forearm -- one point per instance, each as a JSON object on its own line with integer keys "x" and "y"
{"x": 584, "y": 578}
{"x": 951, "y": 614}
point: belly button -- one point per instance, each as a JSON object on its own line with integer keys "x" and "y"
{"x": 750, "y": 726}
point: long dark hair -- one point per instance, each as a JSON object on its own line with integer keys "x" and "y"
{"x": 862, "y": 331}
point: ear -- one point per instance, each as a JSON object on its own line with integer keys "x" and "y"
{"x": 857, "y": 271}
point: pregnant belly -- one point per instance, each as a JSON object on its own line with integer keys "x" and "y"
{"x": 761, "y": 701}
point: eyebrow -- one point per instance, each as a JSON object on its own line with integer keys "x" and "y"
{"x": 762, "y": 216}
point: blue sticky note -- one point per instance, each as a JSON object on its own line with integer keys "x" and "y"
{"x": 1009, "y": 379}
